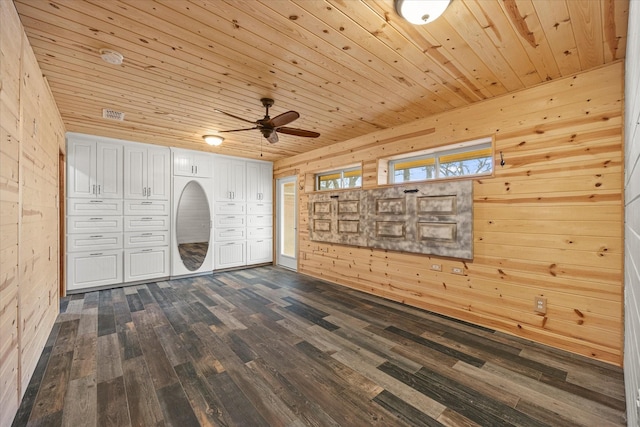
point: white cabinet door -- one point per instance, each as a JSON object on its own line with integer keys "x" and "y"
{"x": 149, "y": 263}
{"x": 191, "y": 163}
{"x": 229, "y": 179}
{"x": 109, "y": 170}
{"x": 202, "y": 165}
{"x": 81, "y": 169}
{"x": 92, "y": 269}
{"x": 259, "y": 251}
{"x": 146, "y": 173}
{"x": 135, "y": 172}
{"x": 259, "y": 182}
{"x": 158, "y": 174}
{"x": 230, "y": 254}
{"x": 95, "y": 169}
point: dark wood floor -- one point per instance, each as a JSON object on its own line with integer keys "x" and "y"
{"x": 268, "y": 347}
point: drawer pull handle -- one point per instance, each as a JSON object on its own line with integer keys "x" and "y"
{"x": 96, "y": 236}
{"x": 96, "y": 254}
{"x": 147, "y": 219}
{"x": 95, "y": 219}
{"x": 147, "y": 250}
{"x": 147, "y": 234}
{"x": 147, "y": 203}
{"x": 95, "y": 201}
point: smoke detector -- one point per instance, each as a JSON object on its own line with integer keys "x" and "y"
{"x": 111, "y": 56}
{"x": 112, "y": 114}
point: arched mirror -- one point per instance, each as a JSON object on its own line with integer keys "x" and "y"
{"x": 193, "y": 226}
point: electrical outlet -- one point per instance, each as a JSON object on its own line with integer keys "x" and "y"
{"x": 436, "y": 267}
{"x": 456, "y": 270}
{"x": 540, "y": 304}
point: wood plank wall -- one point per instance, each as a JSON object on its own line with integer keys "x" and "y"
{"x": 32, "y": 135}
{"x": 632, "y": 207}
{"x": 549, "y": 223}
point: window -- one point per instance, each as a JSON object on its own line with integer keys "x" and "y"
{"x": 339, "y": 179}
{"x": 471, "y": 160}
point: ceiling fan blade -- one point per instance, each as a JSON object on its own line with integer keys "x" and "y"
{"x": 231, "y": 115}
{"x": 282, "y": 119}
{"x": 299, "y": 132}
{"x": 273, "y": 138}
{"x": 238, "y": 130}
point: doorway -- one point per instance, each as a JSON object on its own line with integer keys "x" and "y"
{"x": 287, "y": 222}
{"x": 62, "y": 166}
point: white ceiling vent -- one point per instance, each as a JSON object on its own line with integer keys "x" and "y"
{"x": 112, "y": 114}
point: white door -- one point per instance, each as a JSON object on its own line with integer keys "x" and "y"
{"x": 109, "y": 170}
{"x": 287, "y": 222}
{"x": 81, "y": 170}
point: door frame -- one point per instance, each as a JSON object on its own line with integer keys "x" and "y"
{"x": 281, "y": 259}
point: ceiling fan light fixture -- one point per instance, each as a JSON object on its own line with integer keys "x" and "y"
{"x": 420, "y": 12}
{"x": 214, "y": 140}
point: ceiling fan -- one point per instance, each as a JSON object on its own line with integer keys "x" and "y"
{"x": 271, "y": 126}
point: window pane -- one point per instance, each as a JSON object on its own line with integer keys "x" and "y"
{"x": 352, "y": 179}
{"x": 414, "y": 174}
{"x": 466, "y": 167}
{"x": 334, "y": 180}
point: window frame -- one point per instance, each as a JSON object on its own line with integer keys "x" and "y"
{"x": 436, "y": 154}
{"x": 342, "y": 172}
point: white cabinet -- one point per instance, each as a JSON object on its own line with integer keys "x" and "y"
{"x": 94, "y": 168}
{"x": 243, "y": 212}
{"x": 259, "y": 251}
{"x": 146, "y": 172}
{"x": 146, "y": 263}
{"x": 229, "y": 254}
{"x": 191, "y": 163}
{"x": 95, "y": 268}
{"x": 230, "y": 179}
{"x": 259, "y": 182}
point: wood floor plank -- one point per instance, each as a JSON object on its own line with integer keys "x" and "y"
{"x": 108, "y": 361}
{"x": 268, "y": 346}
{"x": 81, "y": 402}
{"x": 144, "y": 409}
{"x": 112, "y": 404}
{"x": 53, "y": 386}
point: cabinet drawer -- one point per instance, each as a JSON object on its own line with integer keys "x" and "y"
{"x": 229, "y": 208}
{"x": 259, "y": 220}
{"x": 146, "y": 239}
{"x": 94, "y": 242}
{"x": 92, "y": 207}
{"x": 91, "y": 269}
{"x": 146, "y": 223}
{"x": 94, "y": 224}
{"x": 259, "y": 251}
{"x": 230, "y": 254}
{"x": 229, "y": 234}
{"x": 259, "y": 208}
{"x": 230, "y": 221}
{"x": 259, "y": 232}
{"x": 144, "y": 264}
{"x": 146, "y": 207}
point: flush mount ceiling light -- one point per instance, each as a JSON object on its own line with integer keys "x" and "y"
{"x": 420, "y": 12}
{"x": 213, "y": 139}
{"x": 111, "y": 56}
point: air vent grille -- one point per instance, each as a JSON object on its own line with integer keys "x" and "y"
{"x": 112, "y": 114}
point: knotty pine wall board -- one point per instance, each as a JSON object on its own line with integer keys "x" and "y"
{"x": 32, "y": 134}
{"x": 549, "y": 223}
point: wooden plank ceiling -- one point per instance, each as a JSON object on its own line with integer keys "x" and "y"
{"x": 348, "y": 67}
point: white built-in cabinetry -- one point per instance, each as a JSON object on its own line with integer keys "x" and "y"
{"x": 94, "y": 220}
{"x": 118, "y": 216}
{"x": 243, "y": 212}
{"x": 147, "y": 219}
{"x": 119, "y": 210}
